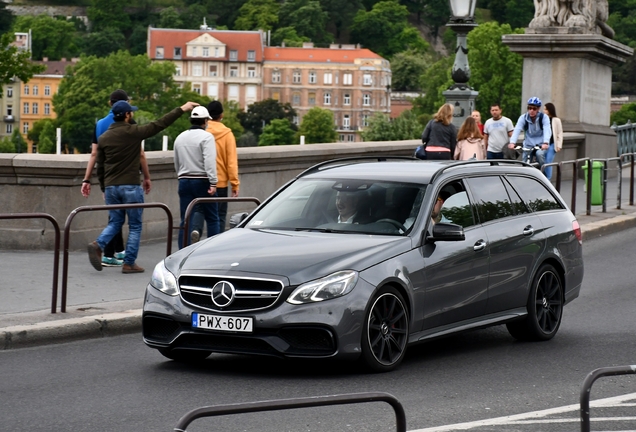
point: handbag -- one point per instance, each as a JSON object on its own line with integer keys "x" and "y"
{"x": 420, "y": 152}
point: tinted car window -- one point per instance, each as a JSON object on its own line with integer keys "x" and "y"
{"x": 517, "y": 203}
{"x": 536, "y": 195}
{"x": 457, "y": 210}
{"x": 491, "y": 199}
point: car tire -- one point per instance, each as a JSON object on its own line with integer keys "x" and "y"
{"x": 182, "y": 355}
{"x": 545, "y": 308}
{"x": 386, "y": 331}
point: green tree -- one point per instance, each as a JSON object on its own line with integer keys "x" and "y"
{"x": 34, "y": 133}
{"x": 105, "y": 14}
{"x": 231, "y": 110}
{"x": 6, "y": 145}
{"x": 288, "y": 36}
{"x": 404, "y": 127}
{"x": 169, "y": 18}
{"x": 47, "y": 138}
{"x": 385, "y": 29}
{"x": 6, "y": 18}
{"x": 434, "y": 81}
{"x": 379, "y": 129}
{"x": 51, "y": 37}
{"x": 18, "y": 142}
{"x": 318, "y": 127}
{"x": 14, "y": 63}
{"x": 277, "y": 132}
{"x": 104, "y": 42}
{"x": 623, "y": 115}
{"x": 257, "y": 14}
{"x": 340, "y": 14}
{"x": 193, "y": 16}
{"x": 307, "y": 17}
{"x": 262, "y": 113}
{"x": 406, "y": 69}
{"x": 519, "y": 13}
{"x": 496, "y": 71}
{"x": 82, "y": 97}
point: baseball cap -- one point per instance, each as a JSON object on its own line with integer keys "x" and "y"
{"x": 215, "y": 108}
{"x": 118, "y": 95}
{"x": 121, "y": 107}
{"x": 200, "y": 112}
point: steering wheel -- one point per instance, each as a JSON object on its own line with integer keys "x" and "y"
{"x": 394, "y": 223}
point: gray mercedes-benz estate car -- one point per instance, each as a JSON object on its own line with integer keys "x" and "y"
{"x": 362, "y": 258}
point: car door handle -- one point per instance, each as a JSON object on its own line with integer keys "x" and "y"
{"x": 528, "y": 231}
{"x": 480, "y": 245}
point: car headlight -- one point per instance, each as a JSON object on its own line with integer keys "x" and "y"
{"x": 332, "y": 286}
{"x": 163, "y": 280}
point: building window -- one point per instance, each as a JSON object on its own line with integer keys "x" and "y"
{"x": 47, "y": 108}
{"x": 177, "y": 52}
{"x": 25, "y": 128}
{"x": 233, "y": 92}
{"x": 216, "y": 51}
{"x": 365, "y": 120}
{"x": 36, "y": 108}
{"x": 35, "y": 90}
{"x": 251, "y": 72}
{"x": 233, "y": 55}
{"x": 312, "y": 77}
{"x": 213, "y": 90}
{"x": 276, "y": 76}
{"x": 366, "y": 79}
{"x": 351, "y": 138}
{"x": 212, "y": 70}
{"x": 276, "y": 95}
{"x": 251, "y": 55}
{"x": 312, "y": 98}
{"x": 327, "y": 98}
{"x": 328, "y": 77}
{"x": 47, "y": 90}
{"x": 9, "y": 110}
{"x": 197, "y": 69}
{"x": 346, "y": 100}
{"x": 196, "y": 88}
{"x": 347, "y": 79}
{"x": 26, "y": 108}
{"x": 341, "y": 137}
{"x": 366, "y": 100}
{"x": 206, "y": 51}
{"x": 296, "y": 99}
{"x": 26, "y": 89}
{"x": 9, "y": 128}
{"x": 295, "y": 120}
{"x": 177, "y": 71}
{"x": 250, "y": 92}
{"x": 233, "y": 71}
{"x": 159, "y": 52}
{"x": 346, "y": 122}
{"x": 9, "y": 92}
{"x": 296, "y": 78}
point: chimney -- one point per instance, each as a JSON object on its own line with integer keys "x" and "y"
{"x": 308, "y": 44}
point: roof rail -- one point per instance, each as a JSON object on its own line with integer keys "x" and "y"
{"x": 491, "y": 162}
{"x": 345, "y": 161}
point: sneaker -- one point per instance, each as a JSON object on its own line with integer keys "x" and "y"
{"x": 134, "y": 268}
{"x": 111, "y": 262}
{"x": 120, "y": 255}
{"x": 95, "y": 255}
{"x": 194, "y": 237}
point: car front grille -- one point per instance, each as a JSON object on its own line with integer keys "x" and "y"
{"x": 308, "y": 340}
{"x": 159, "y": 329}
{"x": 249, "y": 293}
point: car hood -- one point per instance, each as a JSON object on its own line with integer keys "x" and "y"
{"x": 298, "y": 256}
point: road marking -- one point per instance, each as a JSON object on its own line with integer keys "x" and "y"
{"x": 537, "y": 416}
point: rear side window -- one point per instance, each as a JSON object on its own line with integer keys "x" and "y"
{"x": 536, "y": 195}
{"x": 491, "y": 199}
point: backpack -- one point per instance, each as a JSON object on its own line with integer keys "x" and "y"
{"x": 539, "y": 119}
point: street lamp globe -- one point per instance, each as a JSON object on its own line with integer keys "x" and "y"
{"x": 462, "y": 11}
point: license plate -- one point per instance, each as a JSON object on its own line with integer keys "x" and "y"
{"x": 222, "y": 323}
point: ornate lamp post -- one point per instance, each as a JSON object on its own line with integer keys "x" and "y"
{"x": 460, "y": 94}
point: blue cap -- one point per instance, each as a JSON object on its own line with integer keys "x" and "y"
{"x": 122, "y": 107}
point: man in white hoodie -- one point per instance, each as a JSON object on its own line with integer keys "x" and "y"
{"x": 195, "y": 164}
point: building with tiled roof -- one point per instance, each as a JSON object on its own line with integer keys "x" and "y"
{"x": 350, "y": 81}
{"x": 220, "y": 64}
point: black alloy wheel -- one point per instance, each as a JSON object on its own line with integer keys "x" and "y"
{"x": 386, "y": 331}
{"x": 545, "y": 308}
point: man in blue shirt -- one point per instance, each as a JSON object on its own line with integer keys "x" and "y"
{"x": 537, "y": 132}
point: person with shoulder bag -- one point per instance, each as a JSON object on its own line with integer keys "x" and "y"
{"x": 440, "y": 135}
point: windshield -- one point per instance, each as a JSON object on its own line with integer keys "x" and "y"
{"x": 347, "y": 206}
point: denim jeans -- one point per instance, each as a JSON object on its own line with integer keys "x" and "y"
{"x": 124, "y": 194}
{"x": 189, "y": 189}
{"x": 222, "y": 192}
{"x": 549, "y": 158}
{"x": 494, "y": 155}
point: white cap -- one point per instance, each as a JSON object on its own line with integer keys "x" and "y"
{"x": 200, "y": 112}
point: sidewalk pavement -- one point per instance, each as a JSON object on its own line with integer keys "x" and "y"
{"x": 108, "y": 303}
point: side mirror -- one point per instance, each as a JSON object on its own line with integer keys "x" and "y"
{"x": 237, "y": 218}
{"x": 443, "y": 231}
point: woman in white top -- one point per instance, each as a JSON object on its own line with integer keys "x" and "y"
{"x": 556, "y": 141}
{"x": 470, "y": 142}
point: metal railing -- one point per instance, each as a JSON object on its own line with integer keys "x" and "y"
{"x": 67, "y": 230}
{"x": 56, "y": 246}
{"x": 194, "y": 202}
{"x": 586, "y": 389}
{"x": 625, "y": 137}
{"x": 282, "y": 404}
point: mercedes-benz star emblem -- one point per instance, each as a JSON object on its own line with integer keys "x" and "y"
{"x": 223, "y": 294}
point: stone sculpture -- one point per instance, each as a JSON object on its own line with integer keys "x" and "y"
{"x": 580, "y": 16}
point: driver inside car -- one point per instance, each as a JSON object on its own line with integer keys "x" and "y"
{"x": 347, "y": 204}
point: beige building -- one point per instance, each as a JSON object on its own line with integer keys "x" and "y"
{"x": 351, "y": 82}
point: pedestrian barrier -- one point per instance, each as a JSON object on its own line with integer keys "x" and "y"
{"x": 586, "y": 388}
{"x": 194, "y": 202}
{"x": 56, "y": 246}
{"x": 282, "y": 404}
{"x": 67, "y": 230}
